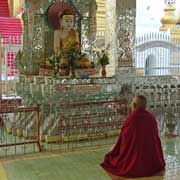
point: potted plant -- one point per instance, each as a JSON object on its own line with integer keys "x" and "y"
{"x": 103, "y": 60}
{"x": 54, "y": 60}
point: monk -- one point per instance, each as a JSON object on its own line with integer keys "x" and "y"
{"x": 138, "y": 151}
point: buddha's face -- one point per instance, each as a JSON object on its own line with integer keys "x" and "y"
{"x": 67, "y": 22}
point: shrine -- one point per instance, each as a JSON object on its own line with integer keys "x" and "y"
{"x": 70, "y": 68}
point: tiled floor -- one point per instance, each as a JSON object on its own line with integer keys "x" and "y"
{"x": 79, "y": 165}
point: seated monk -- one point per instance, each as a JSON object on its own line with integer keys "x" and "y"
{"x": 138, "y": 151}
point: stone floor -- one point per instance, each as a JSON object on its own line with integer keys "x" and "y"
{"x": 79, "y": 164}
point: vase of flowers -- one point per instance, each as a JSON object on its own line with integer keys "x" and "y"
{"x": 103, "y": 61}
{"x": 73, "y": 56}
{"x": 54, "y": 60}
{"x": 103, "y": 72}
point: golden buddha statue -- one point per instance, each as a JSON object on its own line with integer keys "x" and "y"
{"x": 61, "y": 17}
{"x": 65, "y": 38}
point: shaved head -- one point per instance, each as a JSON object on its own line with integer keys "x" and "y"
{"x": 139, "y": 102}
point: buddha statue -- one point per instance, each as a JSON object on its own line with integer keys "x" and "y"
{"x": 65, "y": 38}
{"x": 61, "y": 17}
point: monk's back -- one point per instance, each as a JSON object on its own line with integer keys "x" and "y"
{"x": 145, "y": 124}
{"x": 148, "y": 145}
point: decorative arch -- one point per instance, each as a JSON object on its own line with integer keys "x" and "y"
{"x": 158, "y": 43}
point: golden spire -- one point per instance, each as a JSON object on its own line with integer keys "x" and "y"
{"x": 178, "y": 22}
{"x": 169, "y": 19}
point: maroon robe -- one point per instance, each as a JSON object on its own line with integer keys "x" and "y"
{"x": 138, "y": 150}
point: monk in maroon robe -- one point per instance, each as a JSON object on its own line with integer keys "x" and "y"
{"x": 138, "y": 151}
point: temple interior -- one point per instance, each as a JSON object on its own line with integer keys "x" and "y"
{"x": 68, "y": 72}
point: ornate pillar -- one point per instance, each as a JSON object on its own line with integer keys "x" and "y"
{"x": 110, "y": 35}
{"x": 125, "y": 37}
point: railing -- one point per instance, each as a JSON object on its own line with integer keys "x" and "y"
{"x": 86, "y": 123}
{"x": 14, "y": 139}
{"x": 75, "y": 125}
{"x": 157, "y": 54}
{"x": 163, "y": 98}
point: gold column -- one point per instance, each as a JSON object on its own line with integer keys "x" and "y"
{"x": 14, "y": 6}
{"x": 101, "y": 19}
{"x": 169, "y": 23}
{"x": 11, "y": 5}
{"x": 17, "y": 6}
